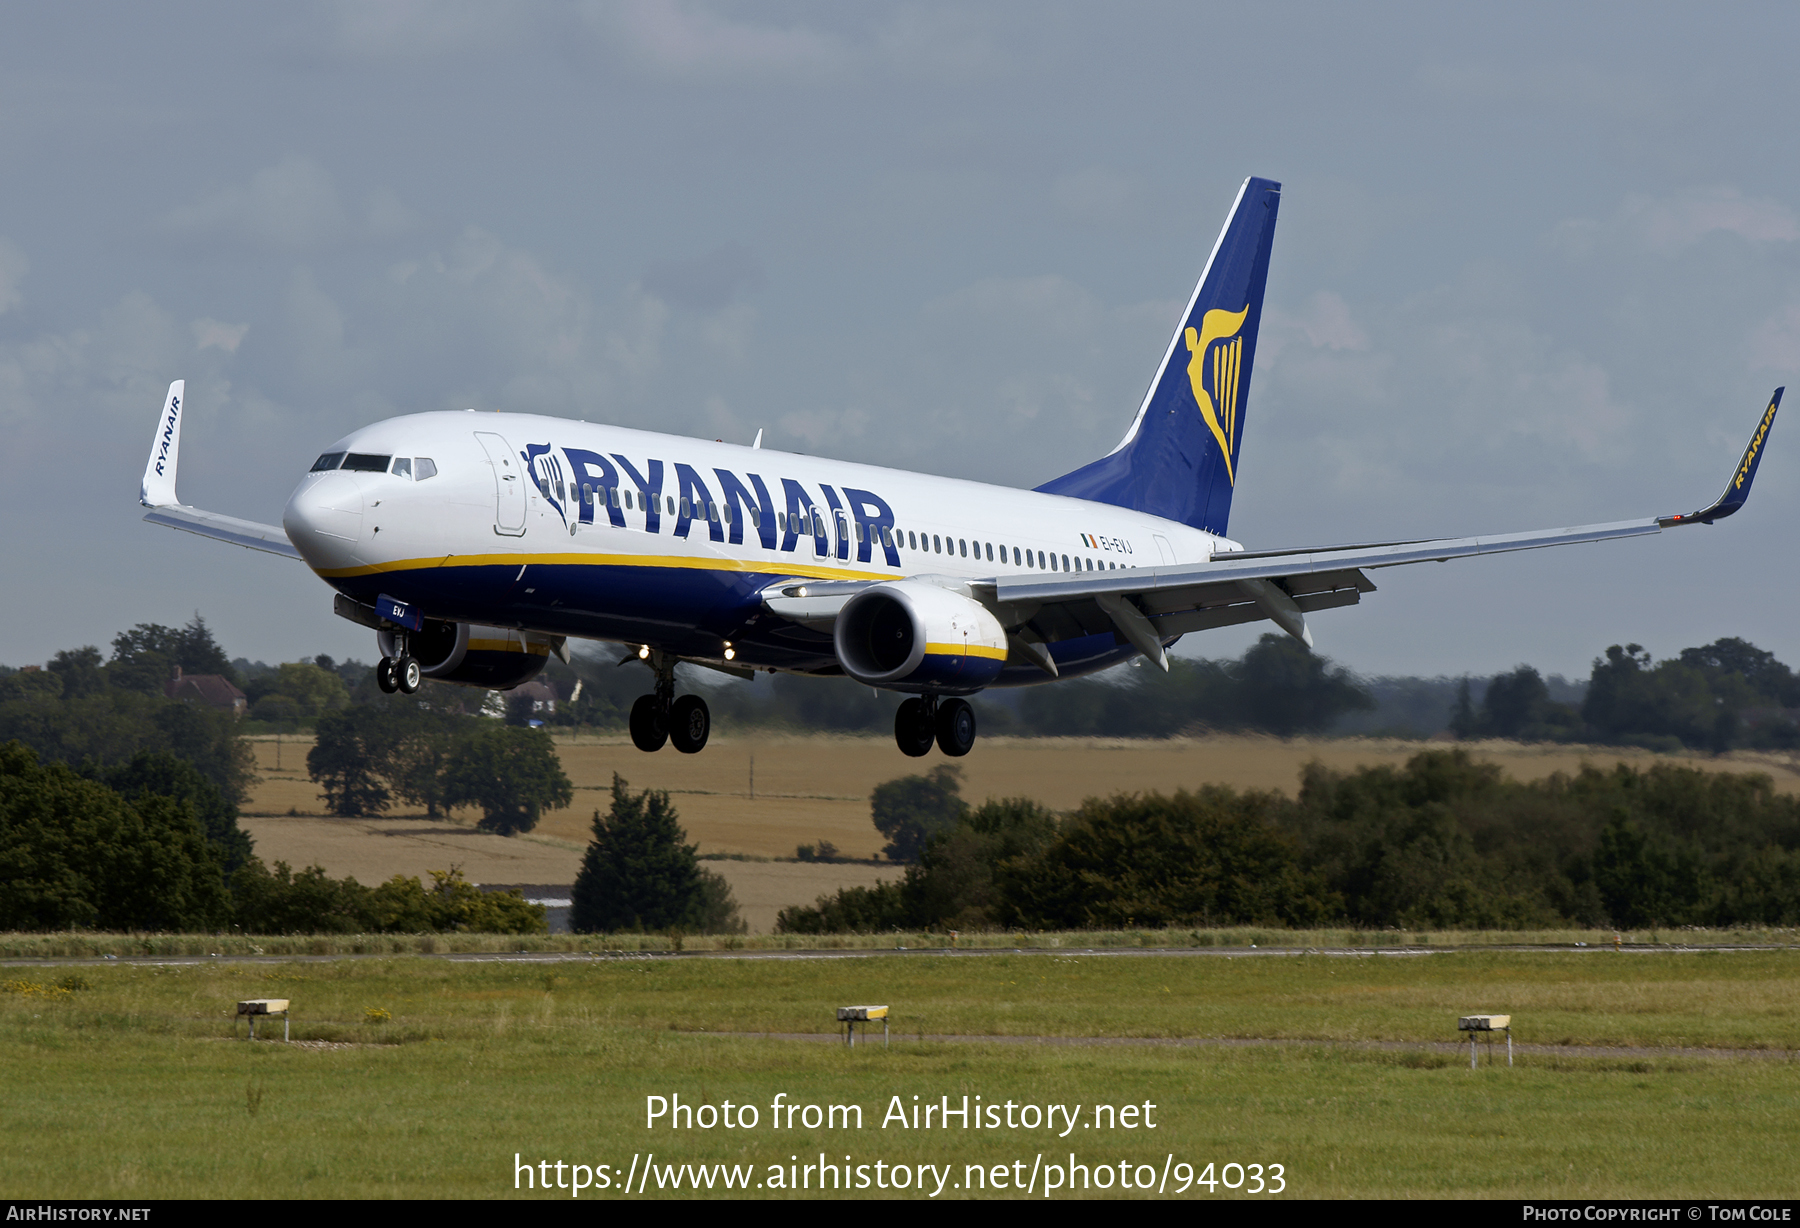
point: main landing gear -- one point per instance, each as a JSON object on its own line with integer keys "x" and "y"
{"x": 660, "y": 717}
{"x": 925, "y": 719}
{"x": 401, "y": 673}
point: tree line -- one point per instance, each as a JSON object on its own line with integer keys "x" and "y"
{"x": 153, "y": 845}
{"x": 1444, "y": 842}
{"x": 1723, "y": 696}
{"x": 365, "y": 758}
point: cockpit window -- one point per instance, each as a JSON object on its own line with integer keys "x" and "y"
{"x": 402, "y": 467}
{"x": 366, "y": 462}
{"x": 424, "y": 467}
{"x": 330, "y": 460}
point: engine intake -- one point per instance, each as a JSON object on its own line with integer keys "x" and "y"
{"x": 910, "y": 636}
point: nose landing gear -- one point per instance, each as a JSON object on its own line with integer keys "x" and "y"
{"x": 659, "y": 718}
{"x": 925, "y": 719}
{"x": 399, "y": 673}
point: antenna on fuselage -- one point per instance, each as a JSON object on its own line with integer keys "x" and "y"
{"x": 757, "y": 442}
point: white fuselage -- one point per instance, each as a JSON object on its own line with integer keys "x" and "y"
{"x": 579, "y": 529}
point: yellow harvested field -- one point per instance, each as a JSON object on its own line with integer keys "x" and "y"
{"x": 374, "y": 850}
{"x": 763, "y": 795}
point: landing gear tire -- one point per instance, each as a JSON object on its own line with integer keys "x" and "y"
{"x": 955, "y": 727}
{"x": 384, "y": 676}
{"x": 408, "y": 675}
{"x": 913, "y": 728}
{"x": 689, "y": 724}
{"x": 649, "y": 728}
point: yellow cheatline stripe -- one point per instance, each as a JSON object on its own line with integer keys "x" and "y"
{"x": 509, "y": 645}
{"x": 671, "y": 561}
{"x": 965, "y": 650}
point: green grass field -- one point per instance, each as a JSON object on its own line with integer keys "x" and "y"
{"x": 133, "y": 1087}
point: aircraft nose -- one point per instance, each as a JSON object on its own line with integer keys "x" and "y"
{"x": 324, "y": 519}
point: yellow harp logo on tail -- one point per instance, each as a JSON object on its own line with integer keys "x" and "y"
{"x": 1219, "y": 407}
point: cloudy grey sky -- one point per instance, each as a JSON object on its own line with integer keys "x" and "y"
{"x": 1536, "y": 265}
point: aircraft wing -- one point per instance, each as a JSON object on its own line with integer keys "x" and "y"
{"x": 247, "y": 533}
{"x": 158, "y": 492}
{"x": 1150, "y": 605}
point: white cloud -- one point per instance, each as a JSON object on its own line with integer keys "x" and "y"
{"x": 1674, "y": 222}
{"x": 13, "y": 267}
{"x": 1096, "y": 194}
{"x": 292, "y": 204}
{"x": 1671, "y": 223}
{"x": 1324, "y": 324}
{"x": 1048, "y": 304}
{"x": 422, "y": 28}
{"x": 691, "y": 40}
{"x": 214, "y": 334}
{"x": 1776, "y": 342}
{"x": 385, "y": 215}
{"x": 954, "y": 43}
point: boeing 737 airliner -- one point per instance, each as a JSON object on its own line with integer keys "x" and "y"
{"x": 475, "y": 545}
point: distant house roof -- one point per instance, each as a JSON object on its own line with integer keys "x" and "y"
{"x": 213, "y": 690}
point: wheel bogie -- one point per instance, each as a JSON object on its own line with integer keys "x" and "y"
{"x": 955, "y": 727}
{"x": 690, "y": 723}
{"x": 914, "y": 730}
{"x": 649, "y": 726}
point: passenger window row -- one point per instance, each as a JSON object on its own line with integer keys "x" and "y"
{"x": 961, "y": 547}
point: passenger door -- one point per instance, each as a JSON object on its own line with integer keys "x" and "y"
{"x": 509, "y": 485}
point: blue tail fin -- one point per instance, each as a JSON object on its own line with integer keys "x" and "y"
{"x": 1179, "y": 459}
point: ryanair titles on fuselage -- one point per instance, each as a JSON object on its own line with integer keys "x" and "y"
{"x": 591, "y": 484}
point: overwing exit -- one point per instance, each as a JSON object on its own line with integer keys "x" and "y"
{"x": 475, "y": 546}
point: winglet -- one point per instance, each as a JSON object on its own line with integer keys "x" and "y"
{"x": 1738, "y": 489}
{"x": 158, "y": 489}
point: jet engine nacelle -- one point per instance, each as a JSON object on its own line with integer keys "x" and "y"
{"x": 912, "y": 636}
{"x": 469, "y": 654}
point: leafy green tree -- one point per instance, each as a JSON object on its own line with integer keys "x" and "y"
{"x": 418, "y": 766}
{"x": 452, "y": 904}
{"x": 851, "y": 910}
{"x": 110, "y": 727}
{"x": 1639, "y": 882}
{"x": 513, "y": 774}
{"x": 75, "y": 853}
{"x": 161, "y": 774}
{"x": 310, "y": 902}
{"x": 295, "y": 693}
{"x": 1285, "y": 689}
{"x": 1278, "y": 686}
{"x": 145, "y": 657}
{"x": 350, "y": 758}
{"x": 1663, "y": 706}
{"x": 81, "y": 672}
{"x": 911, "y": 810}
{"x": 1463, "y": 721}
{"x": 1207, "y": 858}
{"x": 639, "y": 873}
{"x": 953, "y": 886}
{"x": 1770, "y": 680}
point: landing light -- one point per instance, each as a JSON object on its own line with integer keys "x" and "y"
{"x": 643, "y": 652}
